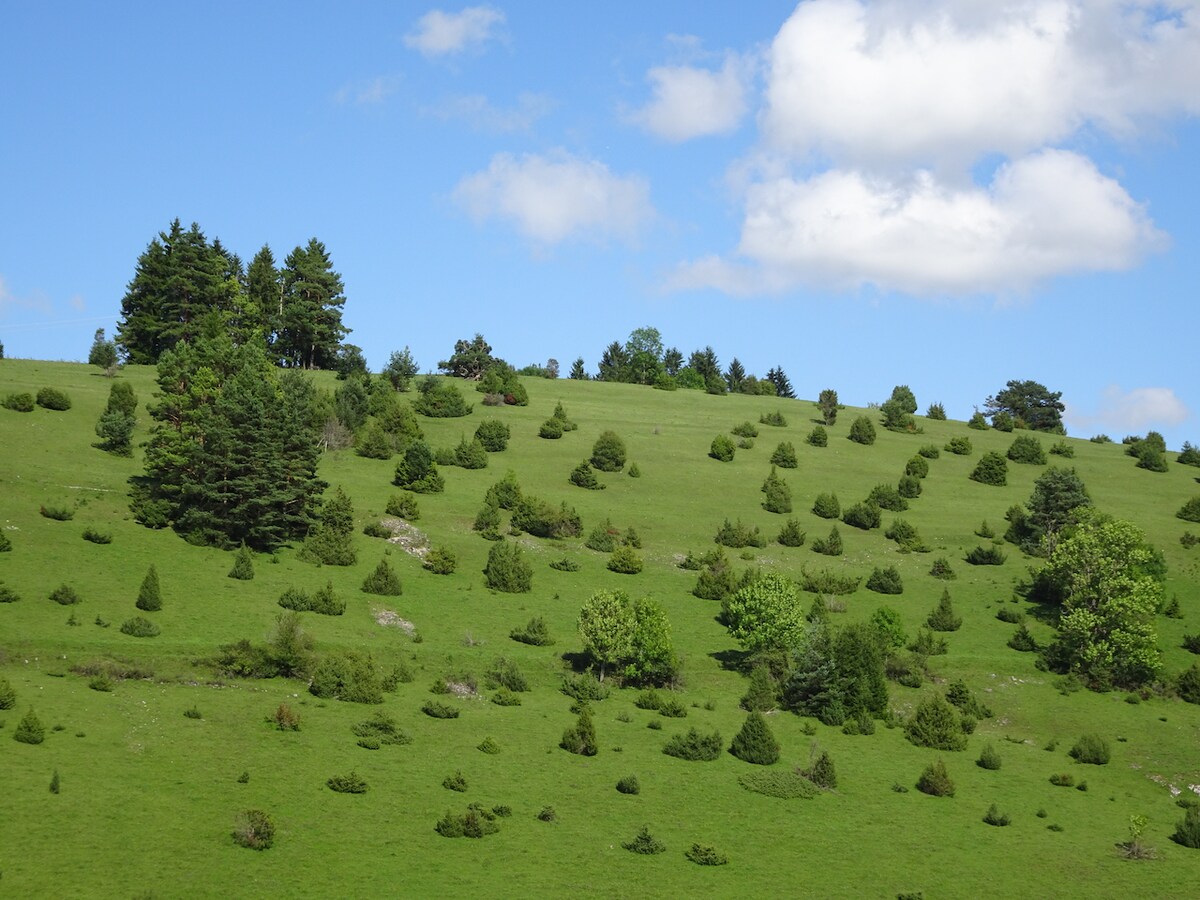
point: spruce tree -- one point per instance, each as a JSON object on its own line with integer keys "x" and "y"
{"x": 383, "y": 581}
{"x": 310, "y": 327}
{"x": 943, "y": 617}
{"x": 783, "y": 387}
{"x": 103, "y": 353}
{"x": 761, "y": 693}
{"x": 29, "y": 729}
{"x": 149, "y": 596}
{"x": 822, "y": 772}
{"x": 8, "y": 696}
{"x": 755, "y": 743}
{"x": 581, "y": 738}
{"x": 243, "y": 564}
{"x": 332, "y": 541}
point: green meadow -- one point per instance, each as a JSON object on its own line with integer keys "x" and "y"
{"x": 148, "y": 796}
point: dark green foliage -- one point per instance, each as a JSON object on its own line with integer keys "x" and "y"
{"x": 1187, "y": 540}
{"x": 505, "y": 673}
{"x": 507, "y": 569}
{"x": 706, "y": 855}
{"x": 243, "y": 564}
{"x": 30, "y": 729}
{"x": 57, "y": 513}
{"x": 383, "y": 581}
{"x": 941, "y": 569}
{"x": 608, "y": 453}
{"x": 929, "y": 451}
{"x": 774, "y": 419}
{"x": 583, "y": 476}
{"x": 8, "y": 696}
{"x": 1022, "y": 640}
{"x": 255, "y": 829}
{"x": 887, "y": 497}
{"x": 65, "y": 595}
{"x": 565, "y": 564}
{"x": 437, "y": 710}
{"x": 584, "y": 687}
{"x": 906, "y": 536}
{"x": 778, "y": 497}
{"x": 53, "y": 398}
{"x": 1187, "y": 829}
{"x": 989, "y": 757}
{"x": 818, "y": 437}
{"x": 862, "y": 431}
{"x": 440, "y": 561}
{"x": 716, "y": 580}
{"x": 476, "y": 822}
{"x": 5, "y": 547}
{"x": 629, "y": 785}
{"x": 822, "y": 772}
{"x": 348, "y": 676}
{"x": 634, "y": 471}
{"x": 695, "y": 746}
{"x": 581, "y": 738}
{"x": 19, "y": 402}
{"x": 827, "y": 403}
{"x": 440, "y": 399}
{"x": 1063, "y": 449}
{"x": 1062, "y": 779}
{"x": 403, "y": 506}
{"x": 487, "y": 522}
{"x": 602, "y": 538}
{"x": 115, "y": 427}
{"x": 1030, "y": 404}
{"x": 863, "y": 515}
{"x": 722, "y": 448}
{"x": 470, "y": 454}
{"x": 827, "y": 581}
{"x": 762, "y": 693}
{"x": 985, "y": 556}
{"x": 978, "y": 421}
{"x": 1187, "y": 685}
{"x": 1190, "y": 511}
{"x": 959, "y": 446}
{"x": 943, "y": 617}
{"x": 885, "y": 581}
{"x": 493, "y": 435}
{"x": 917, "y": 467}
{"x": 1091, "y": 749}
{"x": 784, "y": 456}
{"x": 826, "y": 506}
{"x": 374, "y": 443}
{"x": 351, "y": 783}
{"x": 1027, "y": 449}
{"x": 994, "y": 817}
{"x": 455, "y": 782}
{"x": 936, "y": 781}
{"x": 324, "y": 601}
{"x": 382, "y": 729}
{"x": 829, "y": 546}
{"x": 625, "y": 561}
{"x": 645, "y": 843}
{"x": 965, "y": 701}
{"x": 739, "y": 535}
{"x": 537, "y": 517}
{"x": 1003, "y": 421}
{"x": 96, "y": 537}
{"x": 909, "y": 487}
{"x": 992, "y": 469}
{"x": 417, "y": 470}
{"x": 783, "y": 784}
{"x": 935, "y": 723}
{"x": 745, "y": 429}
{"x": 936, "y": 412}
{"x": 791, "y": 535}
{"x": 755, "y": 743}
{"x": 551, "y": 430}
{"x": 149, "y": 597}
{"x": 55, "y": 783}
{"x": 331, "y": 542}
{"x": 139, "y": 626}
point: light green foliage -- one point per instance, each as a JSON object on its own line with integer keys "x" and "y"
{"x": 766, "y": 615}
{"x": 606, "y": 624}
{"x": 889, "y": 627}
{"x": 1109, "y": 600}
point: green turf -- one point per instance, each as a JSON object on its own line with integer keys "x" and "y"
{"x": 148, "y": 796}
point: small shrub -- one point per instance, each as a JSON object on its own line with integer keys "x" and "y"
{"x": 909, "y": 487}
{"x": 941, "y": 569}
{"x": 65, "y": 595}
{"x": 255, "y": 829}
{"x": 5, "y": 543}
{"x": 440, "y": 561}
{"x": 722, "y": 448}
{"x": 1187, "y": 685}
{"x": 936, "y": 724}
{"x": 30, "y": 729}
{"x": 505, "y": 673}
{"x": 994, "y": 817}
{"x": 19, "y": 402}
{"x": 985, "y": 556}
{"x": 535, "y": 633}
{"x": 243, "y": 564}
{"x": 885, "y": 581}
{"x": 992, "y": 469}
{"x": 493, "y": 435}
{"x": 936, "y": 412}
{"x": 755, "y": 743}
{"x": 455, "y": 782}
{"x": 96, "y": 537}
{"x": 822, "y": 772}
{"x": 863, "y": 515}
{"x": 507, "y": 569}
{"x": 829, "y": 546}
{"x": 104, "y": 684}
{"x": 284, "y": 718}
{"x": 826, "y": 506}
{"x": 989, "y": 758}
{"x": 694, "y": 746}
{"x": 8, "y": 695}
{"x": 978, "y": 421}
{"x": 818, "y": 437}
{"x": 634, "y": 471}
{"x": 936, "y": 781}
{"x": 139, "y": 626}
{"x": 943, "y": 617}
{"x": 55, "y": 783}
{"x": 959, "y": 446}
{"x": 585, "y": 688}
{"x": 745, "y": 430}
{"x": 551, "y": 429}
{"x": 565, "y": 564}
{"x": 1062, "y": 779}
{"x": 791, "y": 535}
{"x": 505, "y": 697}
{"x": 862, "y": 431}
{"x": 774, "y": 419}
{"x": 1190, "y": 511}
{"x": 781, "y": 783}
{"x": 403, "y": 506}
{"x": 580, "y": 739}
{"x": 583, "y": 476}
{"x": 1187, "y": 829}
{"x": 149, "y": 597}
{"x": 645, "y": 843}
{"x": 1063, "y": 449}
{"x": 739, "y": 535}
{"x": 608, "y": 453}
{"x": 906, "y": 536}
{"x": 1022, "y": 640}
{"x": 1027, "y": 450}
{"x": 53, "y": 398}
{"x": 629, "y": 785}
{"x": 438, "y": 710}
{"x": 58, "y": 513}
{"x": 887, "y": 497}
{"x": 706, "y": 855}
{"x": 784, "y": 456}
{"x": 351, "y": 783}
{"x": 1091, "y": 749}
{"x": 488, "y": 746}
{"x": 625, "y": 561}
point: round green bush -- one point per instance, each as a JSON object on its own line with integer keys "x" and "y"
{"x": 1091, "y": 749}
{"x": 755, "y": 743}
{"x": 53, "y": 398}
{"x": 253, "y": 828}
{"x": 992, "y": 469}
{"x": 722, "y": 448}
{"x": 608, "y": 453}
{"x": 507, "y": 569}
{"x": 139, "y": 626}
{"x": 862, "y": 431}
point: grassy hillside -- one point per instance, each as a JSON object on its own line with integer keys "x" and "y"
{"x": 148, "y": 795}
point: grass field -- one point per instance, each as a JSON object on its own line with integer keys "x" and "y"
{"x": 148, "y": 796}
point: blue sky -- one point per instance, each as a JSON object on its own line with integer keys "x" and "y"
{"x": 946, "y": 194}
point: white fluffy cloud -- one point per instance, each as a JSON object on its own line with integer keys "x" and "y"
{"x": 440, "y": 33}
{"x": 1131, "y": 411}
{"x": 369, "y": 92}
{"x": 1043, "y": 215}
{"x": 943, "y": 83}
{"x": 689, "y": 102}
{"x": 481, "y": 114}
{"x": 553, "y": 197}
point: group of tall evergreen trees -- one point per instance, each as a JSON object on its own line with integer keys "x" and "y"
{"x": 182, "y": 281}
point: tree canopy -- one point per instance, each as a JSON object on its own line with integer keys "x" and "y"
{"x": 1032, "y": 405}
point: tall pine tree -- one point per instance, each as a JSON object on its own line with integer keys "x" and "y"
{"x": 310, "y": 327}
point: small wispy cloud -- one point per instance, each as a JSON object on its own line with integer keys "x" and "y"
{"x": 369, "y": 92}
{"x": 1131, "y": 411}
{"x": 479, "y": 112}
{"x": 439, "y": 33}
